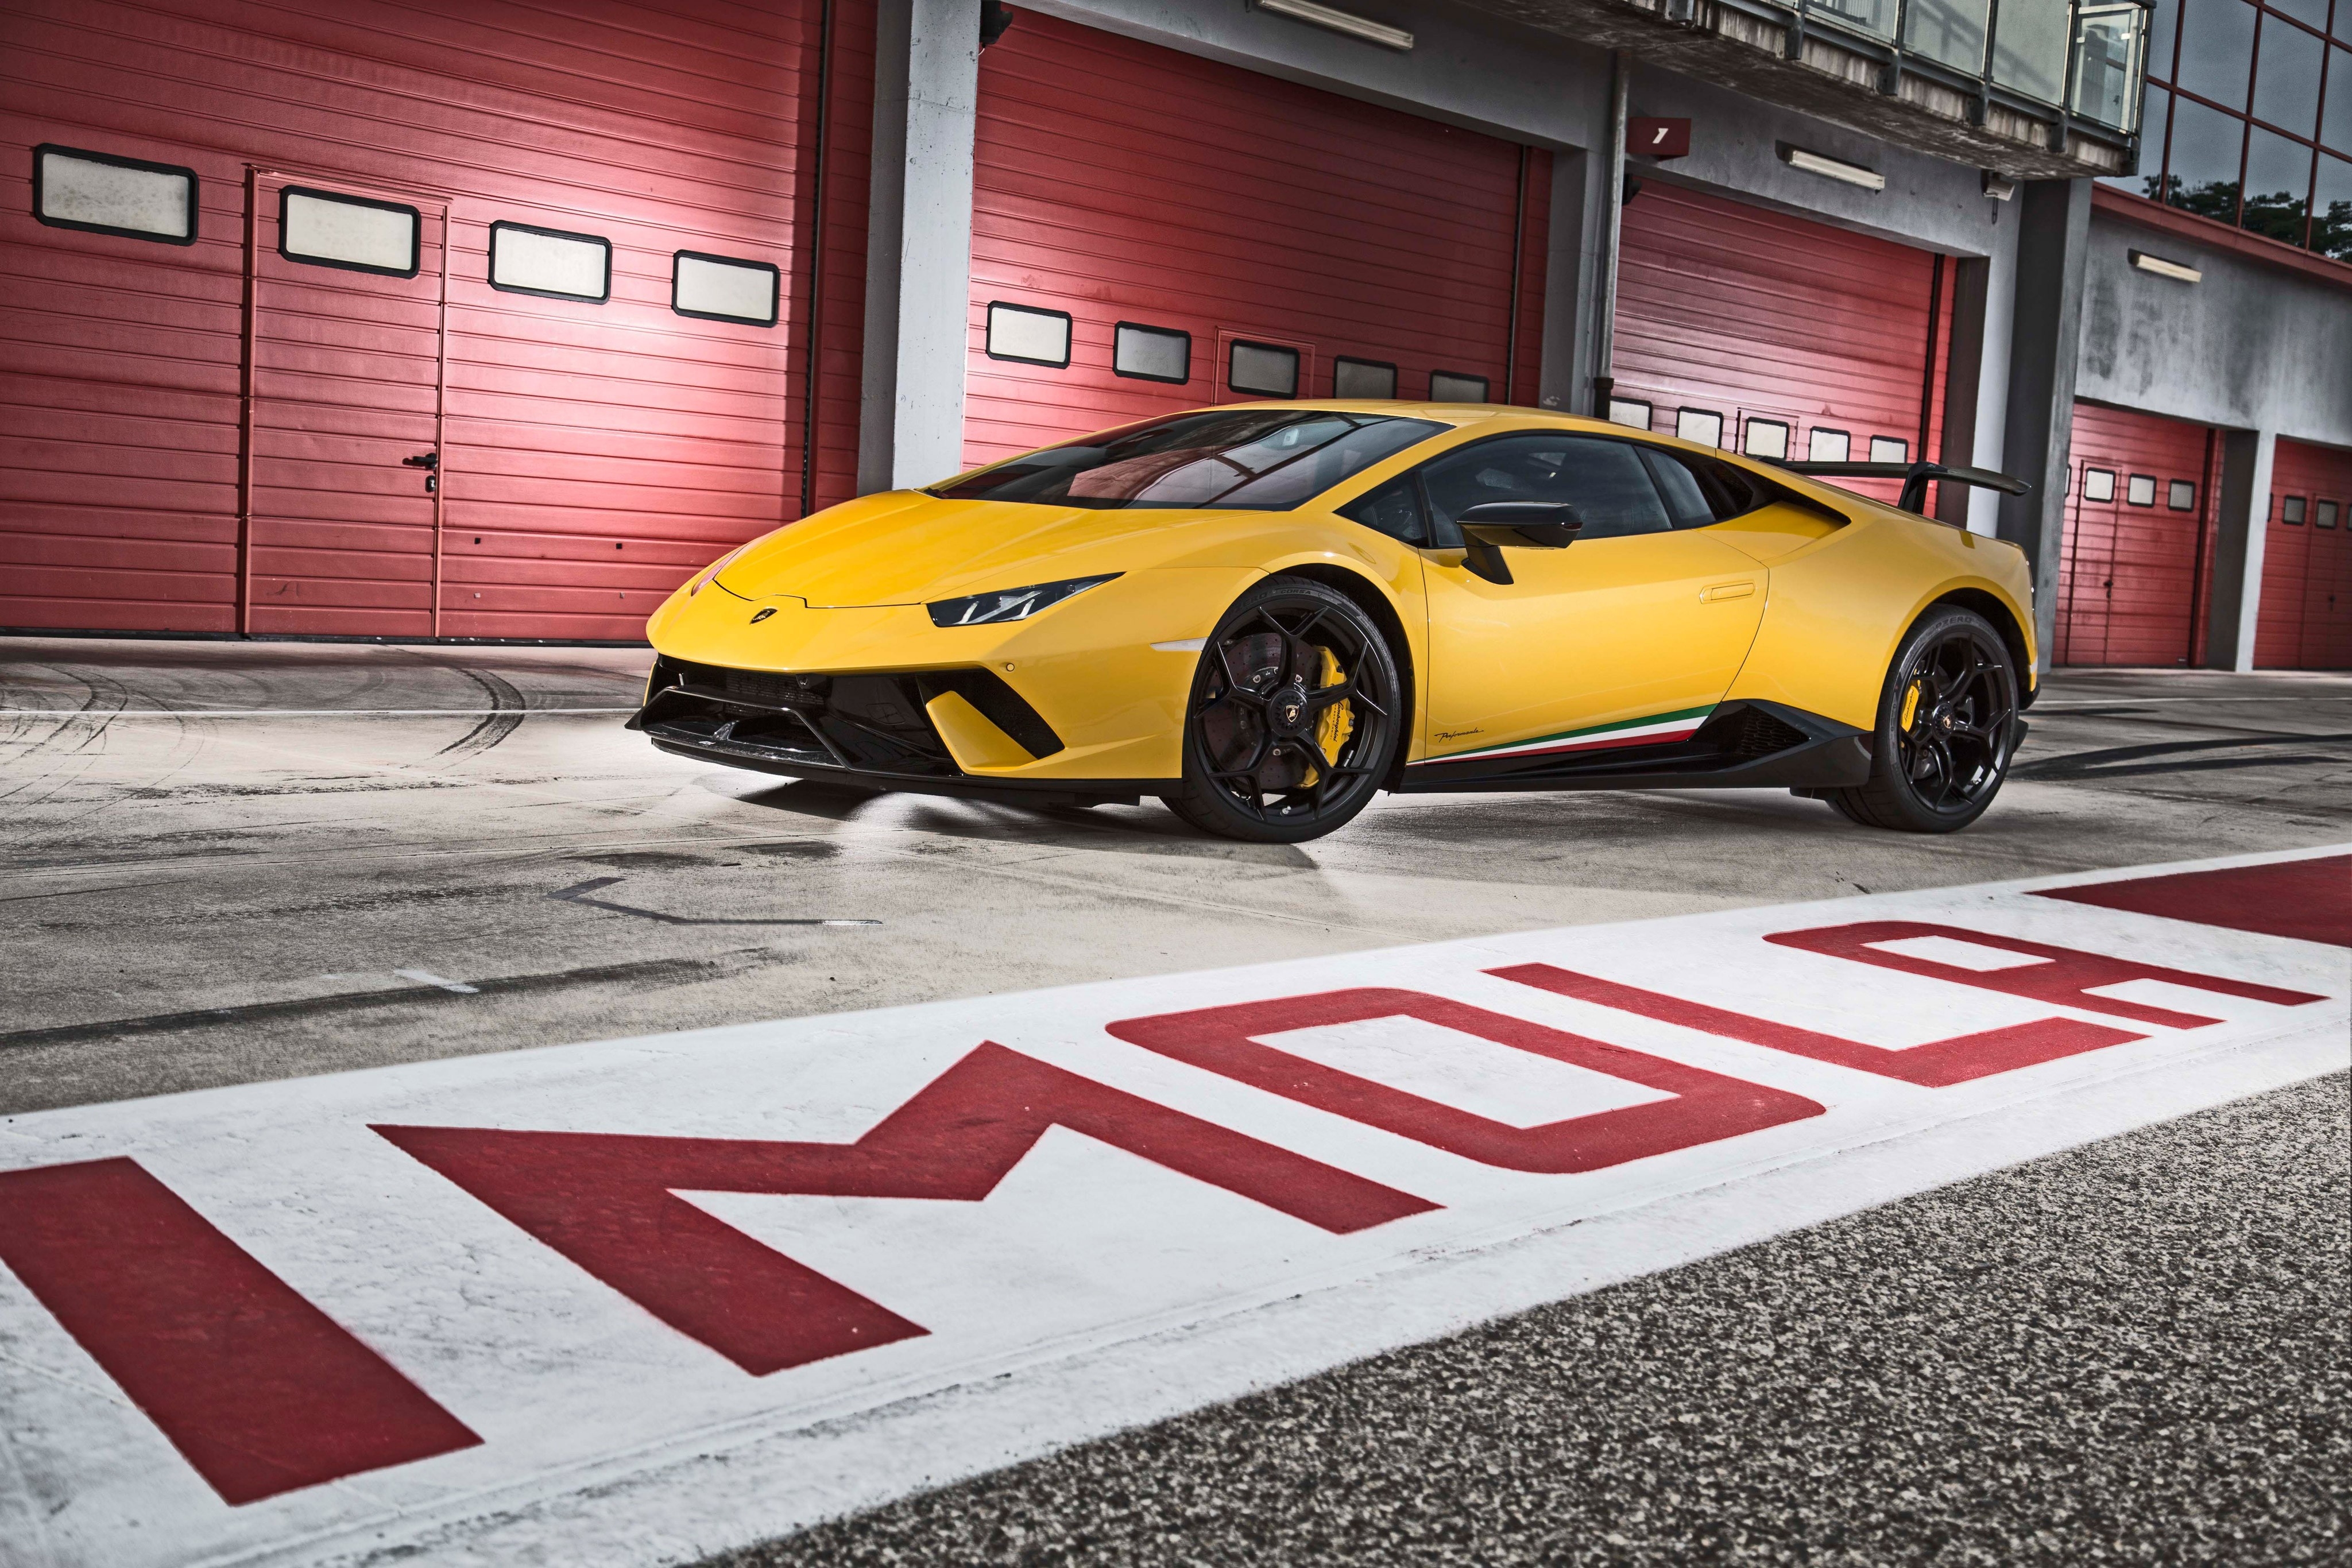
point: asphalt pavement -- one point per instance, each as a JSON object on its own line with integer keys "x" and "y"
{"x": 2132, "y": 1352}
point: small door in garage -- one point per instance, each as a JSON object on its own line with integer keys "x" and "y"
{"x": 1776, "y": 335}
{"x": 342, "y": 537}
{"x": 2137, "y": 549}
{"x": 2304, "y": 621}
{"x": 1154, "y": 231}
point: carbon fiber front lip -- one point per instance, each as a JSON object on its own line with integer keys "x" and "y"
{"x": 770, "y": 759}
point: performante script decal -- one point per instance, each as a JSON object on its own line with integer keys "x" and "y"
{"x": 1650, "y": 731}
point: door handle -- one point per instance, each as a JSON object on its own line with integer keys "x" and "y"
{"x": 1727, "y": 590}
{"x": 421, "y": 460}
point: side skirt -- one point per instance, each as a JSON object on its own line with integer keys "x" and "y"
{"x": 1743, "y": 745}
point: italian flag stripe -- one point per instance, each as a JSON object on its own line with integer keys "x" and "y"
{"x": 1650, "y": 731}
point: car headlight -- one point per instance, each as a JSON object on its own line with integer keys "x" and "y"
{"x": 696, "y": 583}
{"x": 1010, "y": 604}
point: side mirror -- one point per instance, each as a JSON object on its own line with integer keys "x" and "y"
{"x": 1491, "y": 526}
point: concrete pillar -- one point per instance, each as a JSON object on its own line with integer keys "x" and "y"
{"x": 918, "y": 242}
{"x": 2241, "y": 521}
{"x": 1568, "y": 304}
{"x": 2045, "y": 335}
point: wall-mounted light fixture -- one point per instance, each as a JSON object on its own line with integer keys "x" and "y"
{"x": 1999, "y": 187}
{"x": 1834, "y": 168}
{"x": 1332, "y": 19}
{"x": 2164, "y": 269}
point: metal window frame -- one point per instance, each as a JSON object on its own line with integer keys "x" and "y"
{"x": 1388, "y": 365}
{"x": 415, "y": 231}
{"x": 1485, "y": 384}
{"x": 490, "y": 262}
{"x": 195, "y": 192}
{"x": 1297, "y": 368}
{"x": 988, "y": 333}
{"x": 1184, "y": 380}
{"x": 775, "y": 277}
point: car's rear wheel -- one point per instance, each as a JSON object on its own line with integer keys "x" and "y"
{"x": 1947, "y": 728}
{"x": 1294, "y": 716}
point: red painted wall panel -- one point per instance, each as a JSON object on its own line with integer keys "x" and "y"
{"x": 592, "y": 455}
{"x": 1119, "y": 181}
{"x": 2306, "y": 619}
{"x": 1735, "y": 310}
{"x": 2133, "y": 580}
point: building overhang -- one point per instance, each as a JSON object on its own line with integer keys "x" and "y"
{"x": 1781, "y": 54}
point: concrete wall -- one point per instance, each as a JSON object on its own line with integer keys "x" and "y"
{"x": 2252, "y": 346}
{"x": 2260, "y": 350}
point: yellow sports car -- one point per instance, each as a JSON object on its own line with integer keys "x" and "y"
{"x": 1263, "y": 612}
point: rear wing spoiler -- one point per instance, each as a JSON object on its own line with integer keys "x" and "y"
{"x": 1914, "y": 476}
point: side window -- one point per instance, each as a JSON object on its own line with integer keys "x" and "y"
{"x": 1393, "y": 509}
{"x": 1699, "y": 492}
{"x": 1604, "y": 480}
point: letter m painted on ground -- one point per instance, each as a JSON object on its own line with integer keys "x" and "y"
{"x": 608, "y": 1201}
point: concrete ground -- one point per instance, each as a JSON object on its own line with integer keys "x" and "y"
{"x": 223, "y": 862}
{"x": 231, "y": 862}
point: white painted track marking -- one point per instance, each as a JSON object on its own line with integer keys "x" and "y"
{"x": 1092, "y": 1290}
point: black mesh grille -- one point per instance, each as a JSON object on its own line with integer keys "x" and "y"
{"x": 1751, "y": 733}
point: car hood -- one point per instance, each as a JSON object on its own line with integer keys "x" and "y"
{"x": 907, "y": 547}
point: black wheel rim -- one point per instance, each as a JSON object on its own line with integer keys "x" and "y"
{"x": 1293, "y": 712}
{"x": 1953, "y": 729}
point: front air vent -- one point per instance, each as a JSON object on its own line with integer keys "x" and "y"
{"x": 1748, "y": 733}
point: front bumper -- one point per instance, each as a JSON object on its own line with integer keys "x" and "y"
{"x": 879, "y": 730}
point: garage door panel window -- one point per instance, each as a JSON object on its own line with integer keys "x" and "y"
{"x": 725, "y": 288}
{"x": 2181, "y": 496}
{"x": 104, "y": 192}
{"x": 1262, "y": 370}
{"x": 2291, "y": 510}
{"x": 1452, "y": 386}
{"x": 1027, "y": 335}
{"x": 1889, "y": 449}
{"x": 2326, "y": 518}
{"x": 1767, "y": 438}
{"x": 1629, "y": 413}
{"x": 2099, "y": 484}
{"x": 1151, "y": 353}
{"x": 1605, "y": 481}
{"x": 327, "y": 228}
{"x": 1830, "y": 446}
{"x": 554, "y": 264}
{"x": 1352, "y": 378}
{"x": 1702, "y": 425}
{"x": 2141, "y": 490}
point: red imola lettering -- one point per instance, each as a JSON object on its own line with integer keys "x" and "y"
{"x": 608, "y": 1201}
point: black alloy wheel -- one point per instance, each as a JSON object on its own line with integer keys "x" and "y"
{"x": 1947, "y": 726}
{"x": 1294, "y": 719}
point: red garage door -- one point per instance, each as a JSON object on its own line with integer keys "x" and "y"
{"x": 1776, "y": 335}
{"x": 1216, "y": 212}
{"x": 2138, "y": 550}
{"x": 2306, "y": 619}
{"x": 229, "y": 429}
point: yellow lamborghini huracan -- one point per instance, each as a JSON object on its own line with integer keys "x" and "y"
{"x": 1263, "y": 614}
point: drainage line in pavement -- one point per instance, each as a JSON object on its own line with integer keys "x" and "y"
{"x": 675, "y": 970}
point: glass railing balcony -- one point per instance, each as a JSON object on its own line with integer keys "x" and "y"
{"x": 2083, "y": 57}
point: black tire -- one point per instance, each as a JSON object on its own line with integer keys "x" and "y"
{"x": 1948, "y": 726}
{"x": 1294, "y": 716}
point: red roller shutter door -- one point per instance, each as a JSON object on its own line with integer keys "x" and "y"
{"x": 2138, "y": 548}
{"x": 2304, "y": 621}
{"x": 592, "y": 453}
{"x": 1118, "y": 181}
{"x": 1778, "y": 324}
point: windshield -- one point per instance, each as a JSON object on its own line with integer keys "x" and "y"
{"x": 1264, "y": 459}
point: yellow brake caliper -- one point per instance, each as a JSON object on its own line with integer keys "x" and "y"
{"x": 1910, "y": 706}
{"x": 1339, "y": 720}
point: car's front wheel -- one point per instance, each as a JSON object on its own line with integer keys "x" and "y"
{"x": 1947, "y": 725}
{"x": 1295, "y": 718}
